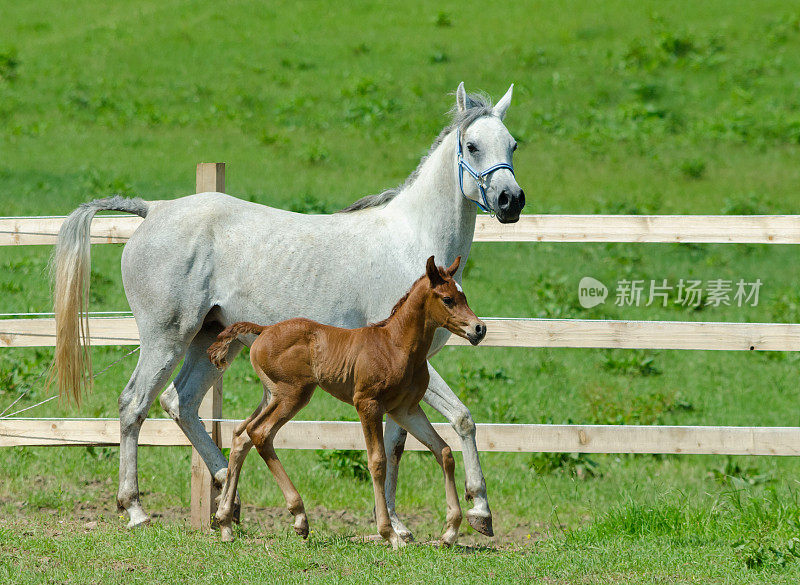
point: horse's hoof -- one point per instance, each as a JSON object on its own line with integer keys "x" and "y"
{"x": 226, "y": 533}
{"x": 137, "y": 521}
{"x": 480, "y": 522}
{"x": 405, "y": 535}
{"x": 398, "y": 526}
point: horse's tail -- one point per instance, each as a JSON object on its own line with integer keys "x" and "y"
{"x": 219, "y": 349}
{"x": 70, "y": 271}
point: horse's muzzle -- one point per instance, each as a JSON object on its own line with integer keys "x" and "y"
{"x": 509, "y": 205}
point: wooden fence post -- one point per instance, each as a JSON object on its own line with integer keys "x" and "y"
{"x": 210, "y": 177}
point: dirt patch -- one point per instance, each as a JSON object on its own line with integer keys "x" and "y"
{"x": 257, "y": 521}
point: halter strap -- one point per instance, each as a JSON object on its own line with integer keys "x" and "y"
{"x": 480, "y": 178}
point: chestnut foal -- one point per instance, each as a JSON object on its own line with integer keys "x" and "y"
{"x": 381, "y": 368}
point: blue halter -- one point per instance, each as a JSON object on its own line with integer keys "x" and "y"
{"x": 480, "y": 178}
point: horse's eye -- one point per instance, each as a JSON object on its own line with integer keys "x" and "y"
{"x": 472, "y": 148}
{"x": 513, "y": 148}
{"x": 448, "y": 301}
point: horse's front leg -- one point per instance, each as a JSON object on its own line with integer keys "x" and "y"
{"x": 442, "y": 398}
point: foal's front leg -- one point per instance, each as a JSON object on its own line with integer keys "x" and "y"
{"x": 371, "y": 414}
{"x": 442, "y": 398}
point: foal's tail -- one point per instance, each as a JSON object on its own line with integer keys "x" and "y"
{"x": 219, "y": 349}
{"x": 70, "y": 270}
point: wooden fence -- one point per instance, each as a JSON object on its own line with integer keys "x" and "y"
{"x": 772, "y": 229}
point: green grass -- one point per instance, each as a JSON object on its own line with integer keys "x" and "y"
{"x": 668, "y": 107}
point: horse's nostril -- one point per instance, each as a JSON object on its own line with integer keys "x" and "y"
{"x": 480, "y": 330}
{"x": 521, "y": 199}
{"x": 503, "y": 200}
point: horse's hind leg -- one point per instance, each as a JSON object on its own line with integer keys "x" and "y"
{"x": 182, "y": 399}
{"x": 156, "y": 363}
{"x": 394, "y": 443}
{"x": 415, "y": 422}
{"x": 285, "y": 402}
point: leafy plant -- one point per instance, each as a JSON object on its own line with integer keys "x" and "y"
{"x": 578, "y": 465}
{"x": 693, "y": 168}
{"x": 757, "y": 552}
{"x": 9, "y": 63}
{"x": 472, "y": 381}
{"x": 344, "y": 463}
{"x": 611, "y": 406}
{"x": 631, "y": 363}
{"x": 739, "y": 476}
{"x": 310, "y": 204}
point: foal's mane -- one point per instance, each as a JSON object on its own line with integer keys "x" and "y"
{"x": 478, "y": 106}
{"x": 404, "y": 298}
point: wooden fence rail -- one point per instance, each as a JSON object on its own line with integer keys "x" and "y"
{"x": 509, "y": 438}
{"x": 701, "y": 229}
{"x": 763, "y": 229}
{"x": 500, "y": 333}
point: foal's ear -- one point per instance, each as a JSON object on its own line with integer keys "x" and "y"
{"x": 454, "y": 266}
{"x": 433, "y": 272}
{"x": 500, "y": 109}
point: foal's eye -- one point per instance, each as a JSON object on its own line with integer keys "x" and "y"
{"x": 471, "y": 147}
{"x": 448, "y": 301}
{"x": 513, "y": 148}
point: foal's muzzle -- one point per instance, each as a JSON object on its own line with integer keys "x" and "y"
{"x": 476, "y": 333}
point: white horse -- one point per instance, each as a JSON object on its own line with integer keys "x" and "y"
{"x": 185, "y": 277}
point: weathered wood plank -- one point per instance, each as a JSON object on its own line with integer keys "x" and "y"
{"x": 723, "y": 229}
{"x": 210, "y": 177}
{"x": 588, "y": 333}
{"x": 518, "y": 438}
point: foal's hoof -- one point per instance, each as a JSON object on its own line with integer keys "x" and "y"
{"x": 449, "y": 537}
{"x": 481, "y": 522}
{"x": 301, "y": 525}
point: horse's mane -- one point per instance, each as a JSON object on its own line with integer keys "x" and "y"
{"x": 478, "y": 106}
{"x": 404, "y": 298}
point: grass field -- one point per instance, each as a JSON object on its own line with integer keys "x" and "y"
{"x": 668, "y": 107}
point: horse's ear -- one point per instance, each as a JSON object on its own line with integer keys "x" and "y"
{"x": 500, "y": 109}
{"x": 454, "y": 266}
{"x": 433, "y": 272}
{"x": 461, "y": 98}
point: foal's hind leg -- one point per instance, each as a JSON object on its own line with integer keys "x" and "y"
{"x": 240, "y": 446}
{"x": 285, "y": 402}
{"x": 157, "y": 360}
{"x": 416, "y": 423}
